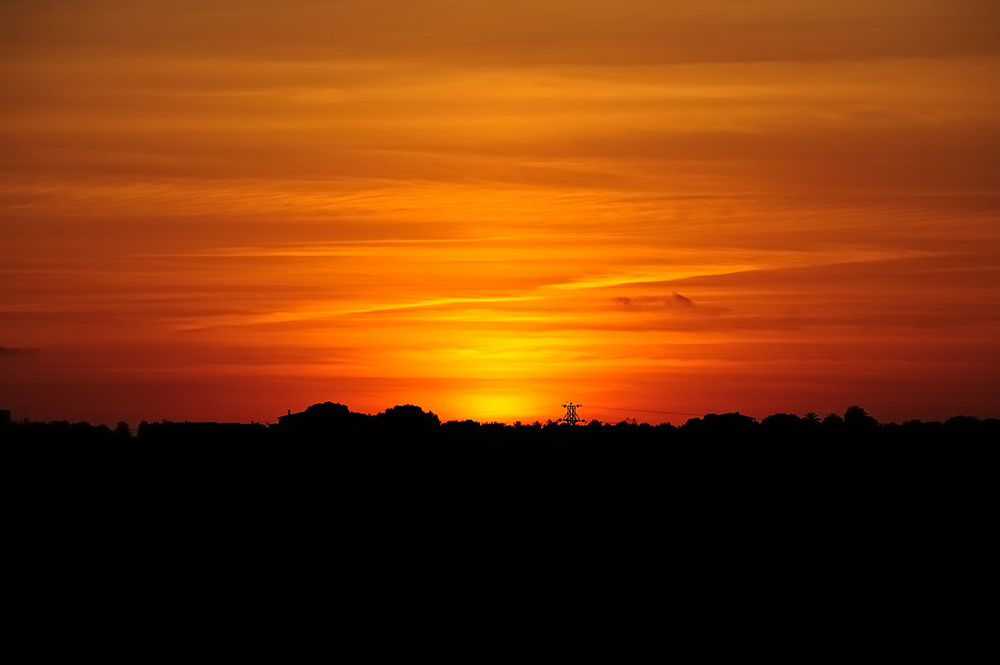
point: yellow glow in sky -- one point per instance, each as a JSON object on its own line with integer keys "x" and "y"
{"x": 221, "y": 210}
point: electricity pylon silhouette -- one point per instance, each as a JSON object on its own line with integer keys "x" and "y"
{"x": 571, "y": 416}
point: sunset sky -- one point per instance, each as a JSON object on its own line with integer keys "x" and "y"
{"x": 222, "y": 209}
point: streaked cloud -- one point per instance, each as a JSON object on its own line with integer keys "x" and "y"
{"x": 672, "y": 301}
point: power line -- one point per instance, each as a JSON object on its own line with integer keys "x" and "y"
{"x": 673, "y": 413}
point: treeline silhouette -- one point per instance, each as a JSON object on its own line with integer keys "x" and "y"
{"x": 723, "y": 540}
{"x": 407, "y": 424}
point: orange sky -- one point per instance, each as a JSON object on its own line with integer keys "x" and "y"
{"x": 220, "y": 210}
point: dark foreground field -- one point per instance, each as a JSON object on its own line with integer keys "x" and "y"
{"x": 717, "y": 544}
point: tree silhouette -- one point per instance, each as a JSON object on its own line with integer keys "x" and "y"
{"x": 856, "y": 417}
{"x": 833, "y": 421}
{"x": 854, "y": 412}
{"x": 408, "y": 416}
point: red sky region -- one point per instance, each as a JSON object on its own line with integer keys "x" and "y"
{"x": 221, "y": 210}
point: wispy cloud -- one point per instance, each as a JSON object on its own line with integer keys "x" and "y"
{"x": 333, "y": 248}
{"x": 650, "y": 276}
{"x": 332, "y": 313}
{"x": 674, "y": 302}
